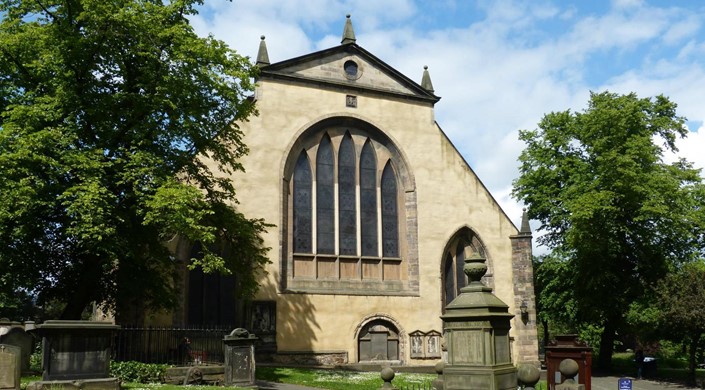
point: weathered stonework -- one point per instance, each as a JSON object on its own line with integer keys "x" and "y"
{"x": 439, "y": 199}
{"x": 524, "y": 324}
{"x": 312, "y": 358}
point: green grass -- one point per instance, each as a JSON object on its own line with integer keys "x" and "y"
{"x": 319, "y": 378}
{"x": 337, "y": 379}
{"x": 670, "y": 369}
{"x": 25, "y": 380}
{"x": 159, "y": 386}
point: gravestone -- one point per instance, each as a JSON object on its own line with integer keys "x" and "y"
{"x": 76, "y": 349}
{"x": 10, "y": 357}
{"x": 13, "y": 333}
{"x": 239, "y": 349}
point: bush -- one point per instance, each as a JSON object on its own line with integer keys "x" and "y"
{"x": 138, "y": 372}
{"x": 35, "y": 359}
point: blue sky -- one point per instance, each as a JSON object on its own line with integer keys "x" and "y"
{"x": 498, "y": 65}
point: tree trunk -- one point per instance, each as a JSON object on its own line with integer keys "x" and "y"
{"x": 84, "y": 292}
{"x": 545, "y": 334}
{"x": 606, "y": 347}
{"x": 692, "y": 361}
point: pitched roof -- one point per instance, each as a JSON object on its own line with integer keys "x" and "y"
{"x": 349, "y": 66}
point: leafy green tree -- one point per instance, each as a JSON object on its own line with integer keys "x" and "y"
{"x": 597, "y": 182}
{"x": 111, "y": 112}
{"x": 680, "y": 298}
{"x": 555, "y": 304}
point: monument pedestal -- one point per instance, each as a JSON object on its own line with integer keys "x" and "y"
{"x": 76, "y": 355}
{"x": 239, "y": 351}
{"x": 82, "y": 384}
{"x": 476, "y": 326}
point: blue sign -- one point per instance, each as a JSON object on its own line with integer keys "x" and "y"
{"x": 624, "y": 384}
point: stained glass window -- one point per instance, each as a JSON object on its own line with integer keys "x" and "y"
{"x": 325, "y": 201}
{"x": 449, "y": 279}
{"x": 368, "y": 201}
{"x": 347, "y": 214}
{"x": 346, "y": 197}
{"x": 459, "y": 264}
{"x": 302, "y": 205}
{"x": 390, "y": 224}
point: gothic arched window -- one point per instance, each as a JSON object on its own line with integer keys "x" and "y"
{"x": 464, "y": 243}
{"x": 302, "y": 205}
{"x": 325, "y": 202}
{"x": 345, "y": 207}
{"x": 347, "y": 216}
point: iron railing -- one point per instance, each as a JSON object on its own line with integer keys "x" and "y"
{"x": 164, "y": 345}
{"x": 425, "y": 385}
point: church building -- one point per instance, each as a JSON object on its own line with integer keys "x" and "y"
{"x": 374, "y": 212}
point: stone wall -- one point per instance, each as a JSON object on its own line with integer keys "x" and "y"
{"x": 311, "y": 358}
{"x": 526, "y": 338}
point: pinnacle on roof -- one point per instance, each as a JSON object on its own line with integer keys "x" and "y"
{"x": 525, "y": 228}
{"x": 262, "y": 55}
{"x": 426, "y": 80}
{"x": 348, "y": 32}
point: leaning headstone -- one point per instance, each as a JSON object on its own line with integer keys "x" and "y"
{"x": 10, "y": 356}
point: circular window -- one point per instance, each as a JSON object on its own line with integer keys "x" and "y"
{"x": 351, "y": 69}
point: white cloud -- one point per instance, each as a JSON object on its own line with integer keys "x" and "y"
{"x": 501, "y": 71}
{"x": 682, "y": 29}
{"x": 693, "y": 148}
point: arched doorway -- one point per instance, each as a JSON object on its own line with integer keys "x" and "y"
{"x": 378, "y": 340}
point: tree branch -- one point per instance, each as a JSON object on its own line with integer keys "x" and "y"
{"x": 53, "y": 17}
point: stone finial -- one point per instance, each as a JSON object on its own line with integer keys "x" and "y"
{"x": 528, "y": 375}
{"x": 525, "y": 228}
{"x": 426, "y": 80}
{"x": 569, "y": 369}
{"x": 348, "y": 32}
{"x": 475, "y": 268}
{"x": 387, "y": 375}
{"x": 262, "y": 55}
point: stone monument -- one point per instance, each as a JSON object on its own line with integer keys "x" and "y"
{"x": 476, "y": 326}
{"x": 76, "y": 354}
{"x": 239, "y": 349}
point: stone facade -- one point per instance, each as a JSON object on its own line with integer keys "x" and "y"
{"x": 526, "y": 343}
{"x": 392, "y": 265}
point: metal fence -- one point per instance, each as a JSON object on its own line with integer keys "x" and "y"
{"x": 426, "y": 385}
{"x": 169, "y": 346}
